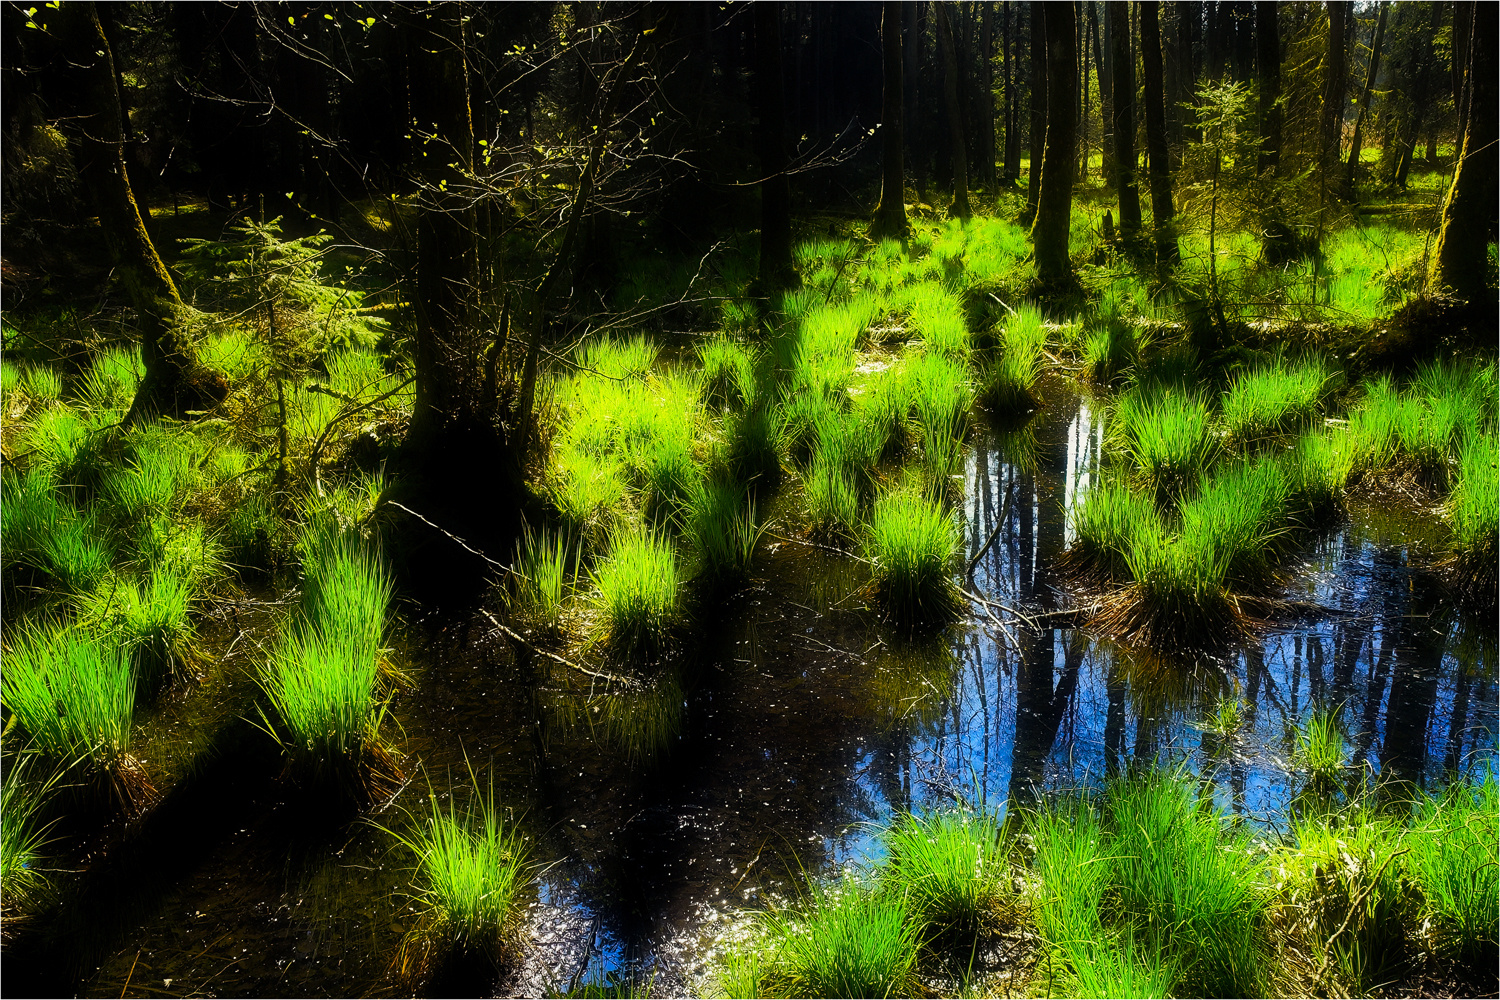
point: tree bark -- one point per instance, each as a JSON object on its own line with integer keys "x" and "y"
{"x": 1189, "y": 37}
{"x": 1469, "y": 214}
{"x": 776, "y": 270}
{"x": 1009, "y": 24}
{"x": 1105, "y": 65}
{"x": 1364, "y": 99}
{"x": 1159, "y": 165}
{"x": 890, "y": 214}
{"x": 1421, "y": 103}
{"x": 88, "y": 101}
{"x": 1083, "y": 121}
{"x": 1463, "y": 19}
{"x": 1122, "y": 90}
{"x": 960, "y": 207}
{"x": 987, "y": 92}
{"x": 1037, "y": 139}
{"x": 1268, "y": 69}
{"x": 1049, "y": 232}
{"x": 1331, "y": 127}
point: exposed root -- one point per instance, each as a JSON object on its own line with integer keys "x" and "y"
{"x": 1211, "y": 622}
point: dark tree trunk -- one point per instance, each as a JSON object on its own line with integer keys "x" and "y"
{"x": 890, "y": 214}
{"x": 1214, "y": 40}
{"x": 1364, "y": 99}
{"x": 1469, "y": 214}
{"x": 1038, "y": 136}
{"x": 1190, "y": 58}
{"x": 1009, "y": 26}
{"x": 1083, "y": 120}
{"x": 1421, "y": 102}
{"x": 1122, "y": 90}
{"x": 1463, "y": 19}
{"x": 960, "y": 207}
{"x": 987, "y": 92}
{"x": 1049, "y": 233}
{"x": 87, "y": 99}
{"x": 776, "y": 270}
{"x": 917, "y": 159}
{"x": 1331, "y": 127}
{"x": 1105, "y": 65}
{"x": 1244, "y": 40}
{"x": 1268, "y": 67}
{"x": 1156, "y": 138}
{"x": 1171, "y": 51}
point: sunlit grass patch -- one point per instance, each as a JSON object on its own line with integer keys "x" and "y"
{"x": 937, "y": 315}
{"x": 1011, "y": 378}
{"x": 619, "y": 357}
{"x": 1474, "y": 512}
{"x": 728, "y": 372}
{"x": 912, "y": 544}
{"x": 1109, "y": 351}
{"x": 1321, "y": 748}
{"x": 544, "y": 565}
{"x": 150, "y": 619}
{"x": 950, "y": 869}
{"x": 1238, "y": 513}
{"x": 1454, "y": 841}
{"x": 112, "y": 378}
{"x": 832, "y": 500}
{"x": 62, "y": 442}
{"x": 23, "y": 834}
{"x": 1177, "y": 598}
{"x": 1104, "y": 523}
{"x": 637, "y": 593}
{"x": 1168, "y": 436}
{"x": 721, "y": 526}
{"x": 1318, "y": 468}
{"x": 938, "y": 394}
{"x": 472, "y": 876}
{"x": 162, "y": 469}
{"x": 1277, "y": 398}
{"x": 74, "y": 695}
{"x": 586, "y": 493}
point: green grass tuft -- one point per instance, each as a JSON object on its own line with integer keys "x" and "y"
{"x": 1167, "y": 434}
{"x": 728, "y": 372}
{"x": 618, "y": 357}
{"x": 543, "y": 563}
{"x": 1454, "y": 843}
{"x": 846, "y": 940}
{"x": 637, "y": 593}
{"x": 721, "y": 527}
{"x": 1274, "y": 399}
{"x": 913, "y": 543}
{"x": 949, "y": 868}
{"x": 1011, "y": 378}
{"x": 73, "y": 694}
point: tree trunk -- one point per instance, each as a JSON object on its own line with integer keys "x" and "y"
{"x": 960, "y": 207}
{"x": 1009, "y": 26}
{"x": 987, "y": 92}
{"x": 912, "y": 123}
{"x": 1268, "y": 68}
{"x": 1364, "y": 99}
{"x": 1189, "y": 38}
{"x": 1469, "y": 214}
{"x": 1049, "y": 233}
{"x": 890, "y": 214}
{"x": 1083, "y": 121}
{"x": 88, "y": 101}
{"x": 1122, "y": 90}
{"x": 1037, "y": 138}
{"x": 1331, "y": 128}
{"x": 1463, "y": 18}
{"x": 776, "y": 270}
{"x": 1156, "y": 138}
{"x": 1105, "y": 65}
{"x": 1421, "y": 103}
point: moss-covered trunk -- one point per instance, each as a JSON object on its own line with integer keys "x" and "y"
{"x": 1461, "y": 261}
{"x": 1049, "y": 233}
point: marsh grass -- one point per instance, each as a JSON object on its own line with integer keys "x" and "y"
{"x": 74, "y": 695}
{"x": 1280, "y": 397}
{"x": 42, "y": 531}
{"x": 1109, "y": 352}
{"x": 1238, "y": 515}
{"x": 619, "y": 358}
{"x": 950, "y": 869}
{"x": 322, "y": 678}
{"x": 586, "y": 494}
{"x": 912, "y": 544}
{"x": 23, "y": 832}
{"x": 1167, "y": 436}
{"x": 1012, "y": 376}
{"x": 472, "y": 875}
{"x": 1321, "y": 749}
{"x": 1147, "y": 868}
{"x": 151, "y": 619}
{"x": 109, "y": 385}
{"x": 1104, "y": 524}
{"x": 721, "y": 527}
{"x": 1454, "y": 842}
{"x": 728, "y": 372}
{"x": 832, "y": 502}
{"x": 637, "y": 594}
{"x": 544, "y": 564}
{"x": 1474, "y": 513}
{"x": 1177, "y": 598}
{"x": 162, "y": 469}
{"x": 1318, "y": 468}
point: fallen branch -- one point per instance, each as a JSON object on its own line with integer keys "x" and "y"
{"x": 518, "y": 637}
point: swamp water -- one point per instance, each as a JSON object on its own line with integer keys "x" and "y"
{"x": 772, "y": 748}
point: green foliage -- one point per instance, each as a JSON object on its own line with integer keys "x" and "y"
{"x": 912, "y": 544}
{"x": 1105, "y": 522}
{"x": 473, "y": 874}
{"x": 721, "y": 527}
{"x": 832, "y": 501}
{"x": 1010, "y": 380}
{"x": 163, "y": 468}
{"x": 149, "y": 619}
{"x": 23, "y": 837}
{"x": 1274, "y": 399}
{"x": 585, "y": 492}
{"x": 619, "y": 358}
{"x": 73, "y": 694}
{"x": 111, "y": 381}
{"x": 1167, "y": 435}
{"x": 637, "y": 593}
{"x": 321, "y": 679}
{"x": 1318, "y": 469}
{"x": 1321, "y": 748}
{"x": 728, "y": 372}
{"x": 1454, "y": 842}
{"x": 542, "y": 569}
{"x": 949, "y": 868}
{"x": 1237, "y": 514}
{"x": 1474, "y": 507}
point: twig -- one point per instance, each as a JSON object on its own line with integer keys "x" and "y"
{"x": 999, "y": 523}
{"x": 816, "y": 545}
{"x": 462, "y": 544}
{"x": 1353, "y": 907}
{"x": 518, "y": 637}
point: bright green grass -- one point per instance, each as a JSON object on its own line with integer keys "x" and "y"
{"x": 150, "y": 619}
{"x": 721, "y": 527}
{"x": 936, "y": 315}
{"x": 586, "y": 493}
{"x": 832, "y": 500}
{"x": 181, "y": 548}
{"x": 1340, "y": 897}
{"x": 73, "y": 694}
{"x": 1104, "y": 523}
{"x": 938, "y": 393}
{"x": 162, "y": 470}
{"x": 112, "y": 378}
{"x": 846, "y": 940}
{"x": 1318, "y": 468}
{"x": 59, "y": 441}
{"x": 1010, "y": 380}
{"x": 1274, "y": 399}
{"x": 950, "y": 869}
{"x": 41, "y": 383}
{"x": 75, "y": 552}
{"x": 1179, "y": 596}
{"x": 1321, "y": 748}
{"x": 23, "y": 837}
{"x": 637, "y": 593}
{"x": 728, "y": 372}
{"x": 619, "y": 357}
{"x": 543, "y": 566}
{"x": 1454, "y": 842}
{"x": 1238, "y": 513}
{"x": 1474, "y": 507}
{"x": 912, "y": 544}
{"x": 322, "y": 678}
{"x": 1167, "y": 435}
{"x": 29, "y": 509}
{"x": 1109, "y": 351}
{"x": 472, "y": 873}
{"x": 1149, "y": 863}
{"x": 234, "y": 352}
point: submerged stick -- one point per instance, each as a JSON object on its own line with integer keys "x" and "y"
{"x": 518, "y": 637}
